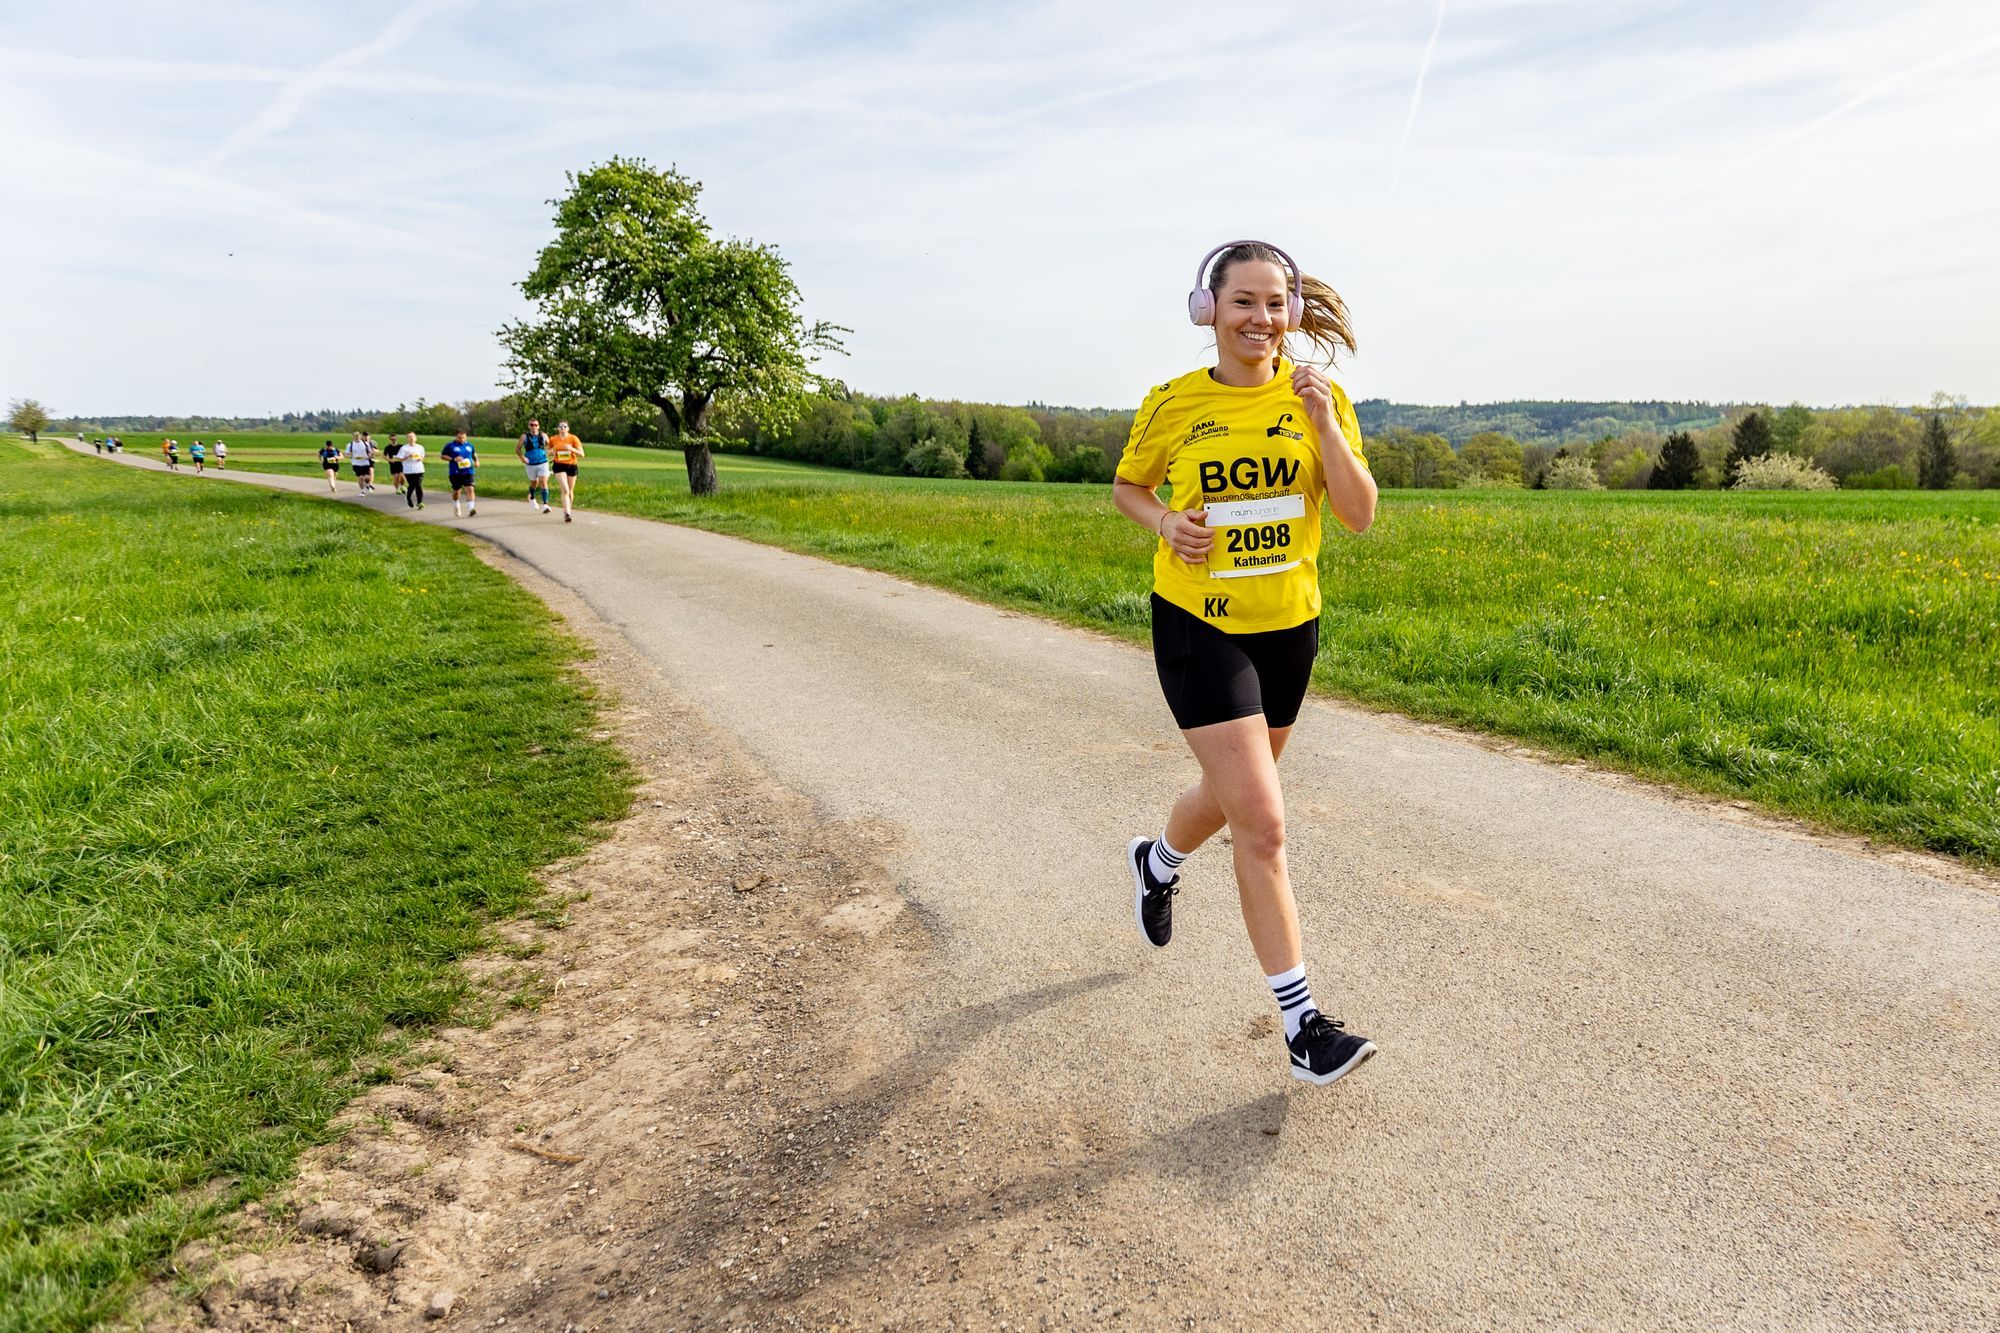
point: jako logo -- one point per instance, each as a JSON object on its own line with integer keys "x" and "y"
{"x": 1279, "y": 429}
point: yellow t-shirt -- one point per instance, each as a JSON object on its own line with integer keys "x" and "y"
{"x": 1251, "y": 458}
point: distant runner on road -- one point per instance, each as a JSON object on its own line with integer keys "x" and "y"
{"x": 462, "y": 469}
{"x": 410, "y": 458}
{"x": 388, "y": 453}
{"x": 361, "y": 457}
{"x": 1251, "y": 448}
{"x": 533, "y": 451}
{"x": 173, "y": 453}
{"x": 197, "y": 453}
{"x": 329, "y": 463}
{"x": 565, "y": 452}
{"x": 221, "y": 456}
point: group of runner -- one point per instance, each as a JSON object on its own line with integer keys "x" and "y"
{"x": 109, "y": 444}
{"x": 540, "y": 455}
{"x": 197, "y": 454}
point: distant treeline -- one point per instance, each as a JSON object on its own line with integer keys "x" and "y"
{"x": 1490, "y": 444}
{"x": 1534, "y": 422}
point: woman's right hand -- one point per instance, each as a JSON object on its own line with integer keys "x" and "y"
{"x": 1187, "y": 535}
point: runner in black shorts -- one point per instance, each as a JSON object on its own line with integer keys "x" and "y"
{"x": 1252, "y": 449}
{"x": 395, "y": 464}
{"x": 329, "y": 462}
{"x": 361, "y": 457}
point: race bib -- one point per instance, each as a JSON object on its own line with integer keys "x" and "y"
{"x": 1255, "y": 537}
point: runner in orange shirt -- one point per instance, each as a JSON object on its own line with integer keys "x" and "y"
{"x": 565, "y": 452}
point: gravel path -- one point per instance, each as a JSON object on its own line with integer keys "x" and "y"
{"x": 1644, "y": 1060}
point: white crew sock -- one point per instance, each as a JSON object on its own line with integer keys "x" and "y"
{"x": 1163, "y": 862}
{"x": 1295, "y": 999}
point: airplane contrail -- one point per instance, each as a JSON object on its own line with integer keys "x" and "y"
{"x": 1416, "y": 97}
{"x": 297, "y": 90}
{"x": 1814, "y": 126}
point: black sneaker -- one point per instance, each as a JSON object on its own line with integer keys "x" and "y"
{"x": 1152, "y": 901}
{"x": 1322, "y": 1052}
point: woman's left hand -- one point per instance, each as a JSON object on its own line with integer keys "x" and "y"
{"x": 1310, "y": 384}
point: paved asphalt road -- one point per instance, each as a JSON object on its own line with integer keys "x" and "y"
{"x": 1640, "y": 1064}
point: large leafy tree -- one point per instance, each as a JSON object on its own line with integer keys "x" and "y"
{"x": 635, "y": 300}
{"x": 1494, "y": 454}
{"x": 29, "y": 417}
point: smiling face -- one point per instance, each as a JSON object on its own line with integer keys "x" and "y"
{"x": 1250, "y": 313}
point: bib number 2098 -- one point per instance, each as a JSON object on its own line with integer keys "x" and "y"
{"x": 1267, "y": 537}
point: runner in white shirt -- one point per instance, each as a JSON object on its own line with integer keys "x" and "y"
{"x": 361, "y": 457}
{"x": 411, "y": 457}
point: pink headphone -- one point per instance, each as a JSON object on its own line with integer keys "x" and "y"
{"x": 1201, "y": 301}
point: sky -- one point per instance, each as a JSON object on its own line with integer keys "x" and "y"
{"x": 247, "y": 208}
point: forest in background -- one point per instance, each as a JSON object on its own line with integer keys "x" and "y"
{"x": 1408, "y": 445}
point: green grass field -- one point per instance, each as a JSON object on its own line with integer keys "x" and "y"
{"x": 270, "y": 766}
{"x": 1832, "y": 655}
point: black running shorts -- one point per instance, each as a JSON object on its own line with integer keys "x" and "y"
{"x": 568, "y": 469}
{"x": 1209, "y": 676}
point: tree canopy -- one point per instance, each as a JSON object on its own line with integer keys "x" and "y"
{"x": 636, "y": 300}
{"x": 29, "y": 417}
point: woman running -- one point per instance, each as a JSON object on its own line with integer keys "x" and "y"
{"x": 197, "y": 453}
{"x": 565, "y": 452}
{"x": 221, "y": 456}
{"x": 410, "y": 458}
{"x": 1250, "y": 449}
{"x": 329, "y": 463}
{"x": 461, "y": 463}
{"x": 172, "y": 450}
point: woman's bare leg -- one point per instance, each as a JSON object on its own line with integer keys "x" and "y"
{"x": 1240, "y": 785}
{"x": 1196, "y": 817}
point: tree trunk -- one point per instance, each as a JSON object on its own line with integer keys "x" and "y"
{"x": 700, "y": 464}
{"x": 701, "y": 467}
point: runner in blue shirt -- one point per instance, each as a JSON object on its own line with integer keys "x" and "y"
{"x": 197, "y": 454}
{"x": 329, "y": 461}
{"x": 533, "y": 451}
{"x": 462, "y": 465}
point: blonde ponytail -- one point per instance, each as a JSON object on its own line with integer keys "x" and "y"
{"x": 1325, "y": 322}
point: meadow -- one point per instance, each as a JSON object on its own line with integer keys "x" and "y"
{"x": 265, "y": 766}
{"x": 1834, "y": 656}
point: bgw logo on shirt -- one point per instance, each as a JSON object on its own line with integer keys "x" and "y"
{"x": 1249, "y": 474}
